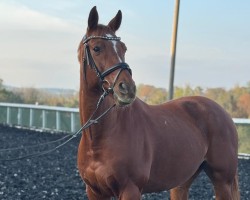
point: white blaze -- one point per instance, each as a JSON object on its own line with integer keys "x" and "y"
{"x": 114, "y": 42}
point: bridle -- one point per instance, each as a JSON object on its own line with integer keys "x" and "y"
{"x": 88, "y": 60}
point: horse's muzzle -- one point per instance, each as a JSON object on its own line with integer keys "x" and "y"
{"x": 124, "y": 93}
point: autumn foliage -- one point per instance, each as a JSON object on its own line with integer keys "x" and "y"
{"x": 236, "y": 100}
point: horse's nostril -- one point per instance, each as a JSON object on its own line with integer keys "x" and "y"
{"x": 123, "y": 88}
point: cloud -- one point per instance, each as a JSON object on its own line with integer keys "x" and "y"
{"x": 36, "y": 46}
{"x": 16, "y": 17}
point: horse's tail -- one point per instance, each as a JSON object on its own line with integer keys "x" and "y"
{"x": 235, "y": 188}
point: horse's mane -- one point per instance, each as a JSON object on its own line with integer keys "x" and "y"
{"x": 80, "y": 53}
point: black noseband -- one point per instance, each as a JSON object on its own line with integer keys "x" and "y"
{"x": 121, "y": 66}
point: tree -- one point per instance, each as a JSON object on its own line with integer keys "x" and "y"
{"x": 217, "y": 94}
{"x": 248, "y": 87}
{"x": 1, "y": 84}
{"x": 188, "y": 91}
{"x": 151, "y": 94}
{"x": 30, "y": 95}
{"x": 8, "y": 96}
{"x": 244, "y": 103}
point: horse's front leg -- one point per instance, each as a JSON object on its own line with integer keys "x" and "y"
{"x": 130, "y": 192}
{"x": 92, "y": 196}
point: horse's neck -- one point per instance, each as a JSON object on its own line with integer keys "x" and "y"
{"x": 88, "y": 104}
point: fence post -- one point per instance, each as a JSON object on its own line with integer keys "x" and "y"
{"x": 173, "y": 50}
{"x": 72, "y": 119}
{"x": 58, "y": 121}
{"x": 19, "y": 116}
{"x": 8, "y": 115}
{"x": 31, "y": 117}
{"x": 44, "y": 119}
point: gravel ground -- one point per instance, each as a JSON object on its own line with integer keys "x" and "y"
{"x": 55, "y": 176}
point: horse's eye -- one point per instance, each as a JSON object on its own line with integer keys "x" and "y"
{"x": 97, "y": 49}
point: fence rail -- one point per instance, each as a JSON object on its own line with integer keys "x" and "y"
{"x": 40, "y": 117}
{"x": 50, "y": 117}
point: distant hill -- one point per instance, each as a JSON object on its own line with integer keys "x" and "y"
{"x": 55, "y": 91}
{"x": 59, "y": 91}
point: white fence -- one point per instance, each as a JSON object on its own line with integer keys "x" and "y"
{"x": 40, "y": 117}
{"x": 49, "y": 117}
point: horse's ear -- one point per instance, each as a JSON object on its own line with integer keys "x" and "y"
{"x": 93, "y": 19}
{"x": 115, "y": 23}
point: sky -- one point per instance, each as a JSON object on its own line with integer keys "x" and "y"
{"x": 39, "y": 41}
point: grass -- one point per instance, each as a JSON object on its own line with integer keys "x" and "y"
{"x": 244, "y": 138}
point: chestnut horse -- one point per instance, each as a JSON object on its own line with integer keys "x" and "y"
{"x": 138, "y": 148}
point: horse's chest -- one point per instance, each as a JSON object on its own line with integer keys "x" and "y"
{"x": 100, "y": 178}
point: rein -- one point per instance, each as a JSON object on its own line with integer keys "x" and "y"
{"x": 71, "y": 137}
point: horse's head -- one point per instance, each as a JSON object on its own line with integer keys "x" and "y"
{"x": 102, "y": 56}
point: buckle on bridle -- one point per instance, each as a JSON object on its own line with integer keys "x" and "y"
{"x": 109, "y": 89}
